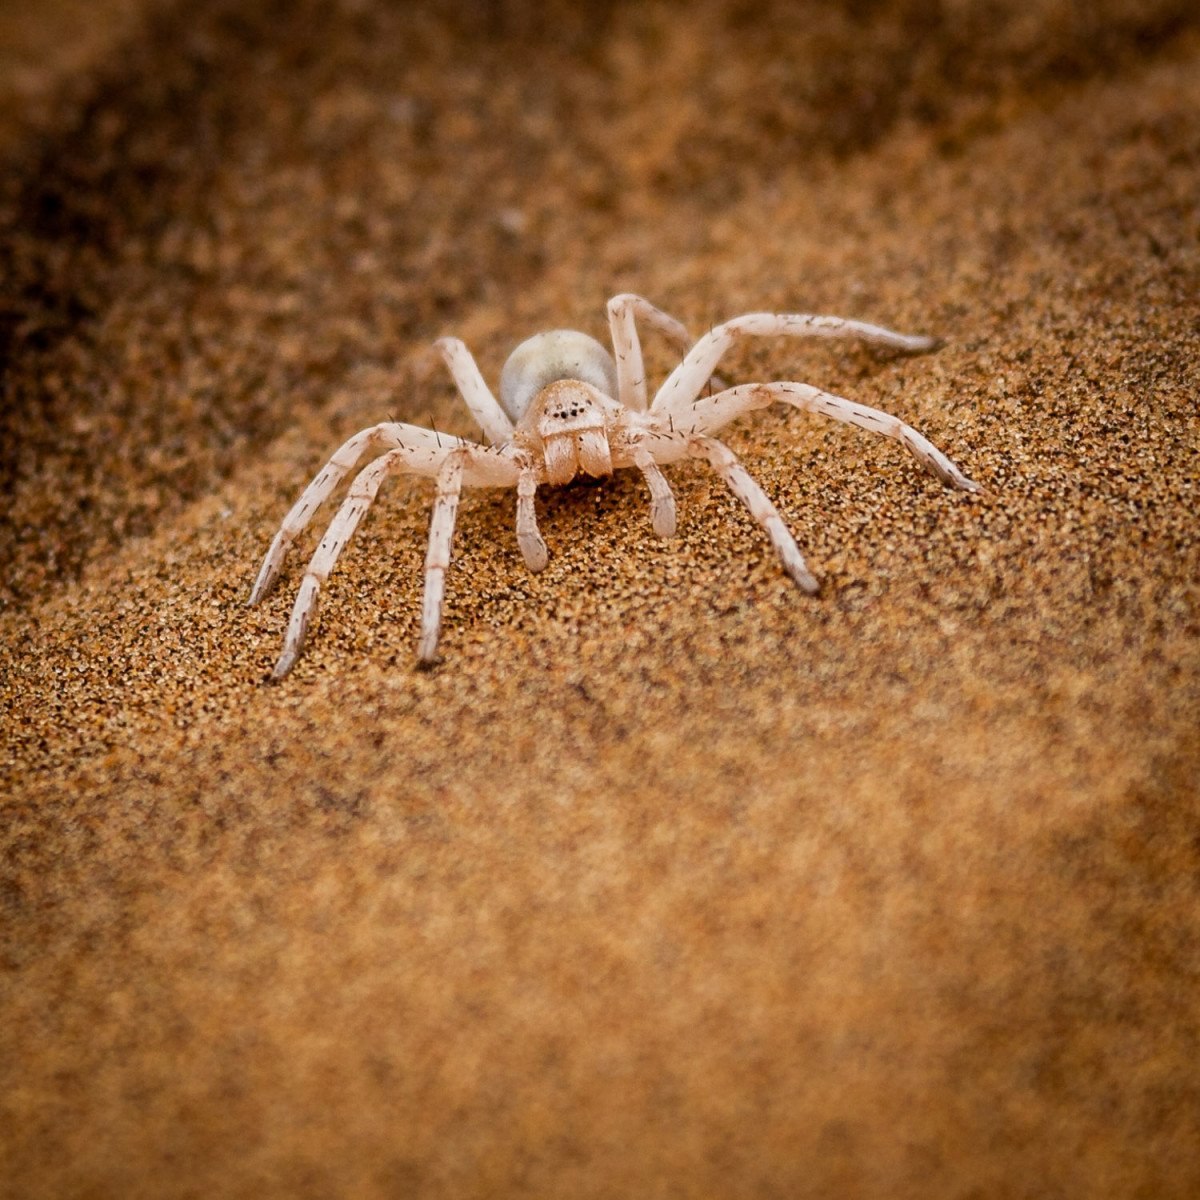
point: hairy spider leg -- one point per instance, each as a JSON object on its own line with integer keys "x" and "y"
{"x": 685, "y": 383}
{"x": 742, "y": 485}
{"x": 662, "y": 500}
{"x": 631, "y": 370}
{"x": 485, "y": 467}
{"x": 627, "y": 347}
{"x": 529, "y": 538}
{"x": 486, "y": 410}
{"x": 710, "y": 413}
{"x": 388, "y": 435}
{"x": 437, "y": 557}
{"x": 360, "y": 497}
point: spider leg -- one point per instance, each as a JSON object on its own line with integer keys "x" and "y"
{"x": 482, "y": 466}
{"x": 709, "y": 413}
{"x": 740, "y": 483}
{"x": 437, "y": 557}
{"x": 529, "y": 538}
{"x": 490, "y": 417}
{"x": 631, "y": 371}
{"x": 388, "y": 435}
{"x": 662, "y": 500}
{"x": 686, "y": 381}
{"x": 362, "y": 493}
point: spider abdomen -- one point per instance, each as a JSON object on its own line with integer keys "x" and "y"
{"x": 547, "y": 358}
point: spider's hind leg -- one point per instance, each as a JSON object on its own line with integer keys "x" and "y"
{"x": 489, "y": 416}
{"x": 372, "y": 440}
{"x": 624, "y": 311}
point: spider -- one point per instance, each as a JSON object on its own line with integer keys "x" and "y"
{"x": 567, "y": 406}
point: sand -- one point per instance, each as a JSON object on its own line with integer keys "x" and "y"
{"x": 669, "y": 880}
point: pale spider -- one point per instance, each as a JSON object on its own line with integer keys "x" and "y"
{"x": 557, "y": 417}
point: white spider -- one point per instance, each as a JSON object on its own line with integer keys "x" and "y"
{"x": 558, "y": 417}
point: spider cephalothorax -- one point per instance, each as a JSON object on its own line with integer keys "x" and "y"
{"x": 567, "y": 407}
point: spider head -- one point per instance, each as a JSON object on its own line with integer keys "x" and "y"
{"x": 556, "y": 387}
{"x": 569, "y": 420}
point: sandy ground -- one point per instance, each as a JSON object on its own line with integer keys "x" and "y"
{"x": 669, "y": 880}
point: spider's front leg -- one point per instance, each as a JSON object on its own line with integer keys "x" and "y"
{"x": 662, "y": 499}
{"x": 529, "y": 537}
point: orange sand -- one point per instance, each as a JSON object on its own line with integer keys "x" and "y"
{"x": 669, "y": 881}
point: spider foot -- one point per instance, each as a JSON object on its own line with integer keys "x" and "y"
{"x": 803, "y": 577}
{"x": 282, "y": 668}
